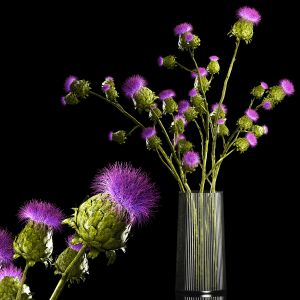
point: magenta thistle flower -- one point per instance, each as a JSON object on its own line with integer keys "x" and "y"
{"x": 133, "y": 84}
{"x": 148, "y": 133}
{"x": 214, "y": 58}
{"x": 252, "y": 114}
{"x": 267, "y": 105}
{"x": 69, "y": 80}
{"x": 191, "y": 159}
{"x": 76, "y": 247}
{"x": 193, "y": 92}
{"x": 188, "y": 37}
{"x": 249, "y": 14}
{"x": 183, "y": 106}
{"x": 202, "y": 71}
{"x": 264, "y": 85}
{"x": 165, "y": 94}
{"x": 109, "y": 78}
{"x": 266, "y": 129}
{"x": 251, "y": 138}
{"x": 287, "y": 86}
{"x": 6, "y": 247}
{"x": 221, "y": 121}
{"x": 41, "y": 212}
{"x": 105, "y": 87}
{"x": 183, "y": 28}
{"x": 11, "y": 271}
{"x": 160, "y": 61}
{"x": 63, "y": 101}
{"x": 215, "y": 106}
{"x": 130, "y": 188}
{"x": 110, "y": 136}
{"x": 178, "y": 138}
{"x": 180, "y": 117}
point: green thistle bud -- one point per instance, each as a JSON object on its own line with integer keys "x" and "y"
{"x": 276, "y": 93}
{"x": 100, "y": 224}
{"x": 198, "y": 103}
{"x": 184, "y": 146}
{"x": 9, "y": 287}
{"x": 184, "y": 45}
{"x": 34, "y": 243}
{"x": 191, "y": 114}
{"x": 202, "y": 85}
{"x": 241, "y": 144}
{"x": 270, "y": 101}
{"x": 195, "y": 42}
{"x": 144, "y": 98}
{"x": 71, "y": 99}
{"x": 112, "y": 94}
{"x": 223, "y": 130}
{"x": 177, "y": 126}
{"x": 242, "y": 30}
{"x": 79, "y": 270}
{"x": 258, "y": 130}
{"x": 153, "y": 142}
{"x": 170, "y": 106}
{"x": 81, "y": 88}
{"x": 155, "y": 114}
{"x": 213, "y": 67}
{"x": 244, "y": 123}
{"x": 258, "y": 91}
{"x": 169, "y": 62}
{"x": 119, "y": 136}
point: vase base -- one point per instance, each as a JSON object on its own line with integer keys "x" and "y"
{"x": 201, "y": 295}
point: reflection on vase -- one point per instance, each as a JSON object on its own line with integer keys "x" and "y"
{"x": 206, "y": 297}
{"x": 200, "y": 269}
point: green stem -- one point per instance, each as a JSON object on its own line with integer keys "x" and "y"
{"x": 65, "y": 276}
{"x": 132, "y": 130}
{"x": 20, "y": 290}
{"x": 201, "y": 136}
{"x": 183, "y": 67}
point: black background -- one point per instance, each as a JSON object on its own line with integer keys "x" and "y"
{"x": 52, "y": 152}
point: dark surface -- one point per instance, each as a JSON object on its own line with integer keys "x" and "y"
{"x": 52, "y": 152}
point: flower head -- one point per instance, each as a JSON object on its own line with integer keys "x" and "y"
{"x": 252, "y": 114}
{"x": 215, "y": 106}
{"x": 183, "y": 28}
{"x": 249, "y": 14}
{"x": 178, "y": 138}
{"x": 191, "y": 159}
{"x": 160, "y": 61}
{"x": 214, "y": 58}
{"x": 109, "y": 78}
{"x": 188, "y": 37}
{"x": 180, "y": 117}
{"x": 264, "y": 85}
{"x": 221, "y": 121}
{"x": 251, "y": 138}
{"x": 76, "y": 247}
{"x": 267, "y": 105}
{"x": 133, "y": 84}
{"x": 69, "y": 80}
{"x": 148, "y": 133}
{"x": 202, "y": 71}
{"x": 287, "y": 86}
{"x": 129, "y": 188}
{"x": 183, "y": 106}
{"x": 6, "y": 247}
{"x": 41, "y": 212}
{"x": 11, "y": 271}
{"x": 63, "y": 101}
{"x": 165, "y": 94}
{"x": 110, "y": 136}
{"x": 266, "y": 129}
{"x": 193, "y": 92}
{"x": 105, "y": 87}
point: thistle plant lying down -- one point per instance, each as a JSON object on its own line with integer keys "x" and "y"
{"x": 122, "y": 197}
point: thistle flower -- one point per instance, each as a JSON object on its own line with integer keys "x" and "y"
{"x": 252, "y": 114}
{"x": 202, "y": 71}
{"x": 160, "y": 61}
{"x": 178, "y": 137}
{"x": 181, "y": 118}
{"x": 251, "y": 138}
{"x": 183, "y": 106}
{"x": 133, "y": 84}
{"x": 216, "y": 106}
{"x": 188, "y": 37}
{"x": 130, "y": 188}
{"x": 193, "y": 92}
{"x": 105, "y": 87}
{"x": 287, "y": 86}
{"x": 6, "y": 247}
{"x": 267, "y": 105}
{"x": 110, "y": 136}
{"x": 119, "y": 136}
{"x": 68, "y": 82}
{"x": 221, "y": 121}
{"x": 166, "y": 94}
{"x": 190, "y": 160}
{"x": 148, "y": 133}
{"x": 264, "y": 85}
{"x": 75, "y": 247}
{"x": 168, "y": 61}
{"x": 183, "y": 28}
{"x": 213, "y": 67}
{"x": 214, "y": 58}
{"x": 266, "y": 129}
{"x": 63, "y": 101}
{"x": 11, "y": 271}
{"x": 249, "y": 14}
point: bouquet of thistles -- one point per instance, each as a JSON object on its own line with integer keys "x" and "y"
{"x": 123, "y": 196}
{"x": 164, "y": 123}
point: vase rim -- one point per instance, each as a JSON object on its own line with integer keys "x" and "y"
{"x": 197, "y": 192}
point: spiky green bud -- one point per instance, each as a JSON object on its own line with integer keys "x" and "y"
{"x": 34, "y": 243}
{"x": 244, "y": 123}
{"x": 198, "y": 103}
{"x": 144, "y": 98}
{"x": 71, "y": 99}
{"x": 170, "y": 106}
{"x": 258, "y": 130}
{"x": 276, "y": 93}
{"x": 154, "y": 114}
{"x": 119, "y": 136}
{"x": 169, "y": 62}
{"x": 81, "y": 88}
{"x": 112, "y": 94}
{"x": 184, "y": 45}
{"x": 202, "y": 84}
{"x": 184, "y": 146}
{"x": 213, "y": 67}
{"x": 258, "y": 91}
{"x": 223, "y": 130}
{"x": 177, "y": 127}
{"x": 241, "y": 145}
{"x": 242, "y": 30}
{"x": 9, "y": 287}
{"x": 191, "y": 114}
{"x": 153, "y": 142}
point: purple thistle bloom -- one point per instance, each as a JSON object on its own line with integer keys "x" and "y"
{"x": 160, "y": 61}
{"x": 287, "y": 86}
{"x": 109, "y": 78}
{"x": 264, "y": 85}
{"x": 183, "y": 28}
{"x": 183, "y": 106}
{"x": 266, "y": 129}
{"x": 215, "y": 106}
{"x": 130, "y": 188}
{"x": 188, "y": 37}
{"x": 214, "y": 58}
{"x": 165, "y": 94}
{"x": 110, "y": 136}
{"x": 202, "y": 71}
{"x": 133, "y": 84}
{"x": 252, "y": 114}
{"x": 68, "y": 82}
{"x": 6, "y": 247}
{"x": 105, "y": 87}
{"x": 221, "y": 121}
{"x": 251, "y": 138}
{"x": 76, "y": 247}
{"x": 249, "y": 14}
{"x": 63, "y": 101}
{"x": 193, "y": 92}
{"x": 180, "y": 117}
{"x": 191, "y": 159}
{"x": 41, "y": 212}
{"x": 11, "y": 271}
{"x": 148, "y": 133}
{"x": 267, "y": 105}
{"x": 178, "y": 138}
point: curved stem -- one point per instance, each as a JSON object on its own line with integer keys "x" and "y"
{"x": 65, "y": 276}
{"x": 183, "y": 67}
{"x": 20, "y": 290}
{"x": 201, "y": 136}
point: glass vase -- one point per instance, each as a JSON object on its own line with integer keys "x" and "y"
{"x": 200, "y": 265}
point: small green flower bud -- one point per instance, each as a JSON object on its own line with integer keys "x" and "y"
{"x": 184, "y": 146}
{"x": 170, "y": 106}
{"x": 223, "y": 130}
{"x": 198, "y": 103}
{"x": 258, "y": 130}
{"x": 191, "y": 114}
{"x": 9, "y": 287}
{"x": 213, "y": 67}
{"x": 258, "y": 91}
{"x": 202, "y": 85}
{"x": 276, "y": 93}
{"x": 177, "y": 126}
{"x": 195, "y": 42}
{"x": 119, "y": 136}
{"x": 81, "y": 88}
{"x": 155, "y": 114}
{"x": 112, "y": 94}
{"x": 192, "y": 44}
{"x": 242, "y": 30}
{"x": 144, "y": 98}
{"x": 153, "y": 142}
{"x": 241, "y": 144}
{"x": 34, "y": 243}
{"x": 244, "y": 123}
{"x": 71, "y": 99}
{"x": 169, "y": 62}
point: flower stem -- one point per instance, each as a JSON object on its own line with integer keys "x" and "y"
{"x": 65, "y": 276}
{"x": 183, "y": 67}
{"x": 20, "y": 290}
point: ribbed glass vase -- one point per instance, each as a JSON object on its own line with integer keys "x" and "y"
{"x": 200, "y": 267}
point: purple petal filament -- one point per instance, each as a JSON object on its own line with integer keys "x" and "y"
{"x": 133, "y": 84}
{"x": 266, "y": 129}
{"x": 105, "y": 87}
{"x": 165, "y": 94}
{"x": 76, "y": 247}
{"x": 249, "y": 14}
{"x": 267, "y": 105}
{"x": 193, "y": 92}
{"x": 69, "y": 80}
{"x": 63, "y": 101}
{"x": 287, "y": 86}
{"x": 148, "y": 133}
{"x": 188, "y": 37}
{"x": 191, "y": 159}
{"x": 11, "y": 271}
{"x": 178, "y": 138}
{"x": 251, "y": 138}
{"x": 215, "y": 106}
{"x": 180, "y": 117}
{"x": 183, "y": 28}
{"x": 221, "y": 121}
{"x": 160, "y": 61}
{"x": 252, "y": 114}
{"x": 264, "y": 85}
{"x": 202, "y": 71}
{"x": 6, "y": 247}
{"x": 110, "y": 136}
{"x": 183, "y": 106}
{"x": 214, "y": 58}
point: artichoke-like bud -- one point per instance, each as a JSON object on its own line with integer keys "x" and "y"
{"x": 268, "y": 103}
{"x": 245, "y": 123}
{"x": 213, "y": 67}
{"x": 241, "y": 144}
{"x": 71, "y": 99}
{"x": 258, "y": 130}
{"x": 118, "y": 136}
{"x": 258, "y": 91}
{"x": 223, "y": 130}
{"x": 108, "y": 87}
{"x": 188, "y": 41}
{"x": 153, "y": 142}
{"x": 242, "y": 30}
{"x": 155, "y": 113}
{"x": 178, "y": 125}
{"x": 170, "y": 106}
{"x": 144, "y": 98}
{"x": 81, "y": 88}
{"x": 190, "y": 114}
{"x": 9, "y": 287}
{"x": 198, "y": 103}
{"x": 202, "y": 84}
{"x": 184, "y": 146}
{"x": 168, "y": 61}
{"x": 276, "y": 93}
